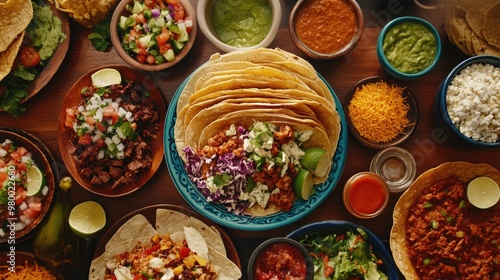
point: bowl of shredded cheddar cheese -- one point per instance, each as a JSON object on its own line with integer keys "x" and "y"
{"x": 22, "y": 265}
{"x": 380, "y": 112}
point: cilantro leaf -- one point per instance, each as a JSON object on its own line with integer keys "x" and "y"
{"x": 100, "y": 37}
{"x": 9, "y": 101}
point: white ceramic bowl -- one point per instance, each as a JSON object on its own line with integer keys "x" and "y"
{"x": 204, "y": 16}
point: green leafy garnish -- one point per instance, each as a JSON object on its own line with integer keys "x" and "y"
{"x": 99, "y": 37}
{"x": 10, "y": 101}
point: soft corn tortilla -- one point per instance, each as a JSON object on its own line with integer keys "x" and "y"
{"x": 464, "y": 171}
{"x": 15, "y": 15}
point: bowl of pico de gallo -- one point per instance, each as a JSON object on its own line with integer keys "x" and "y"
{"x": 27, "y": 185}
{"x": 153, "y": 35}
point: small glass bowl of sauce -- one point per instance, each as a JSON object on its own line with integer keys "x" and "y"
{"x": 396, "y": 166}
{"x": 365, "y": 195}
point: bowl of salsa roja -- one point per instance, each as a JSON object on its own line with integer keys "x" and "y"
{"x": 280, "y": 258}
{"x": 326, "y": 29}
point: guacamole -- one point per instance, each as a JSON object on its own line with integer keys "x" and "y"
{"x": 242, "y": 23}
{"x": 410, "y": 47}
{"x": 44, "y": 33}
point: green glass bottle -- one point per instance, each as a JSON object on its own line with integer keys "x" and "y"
{"x": 56, "y": 245}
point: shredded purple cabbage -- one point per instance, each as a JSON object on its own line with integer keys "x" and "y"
{"x": 239, "y": 167}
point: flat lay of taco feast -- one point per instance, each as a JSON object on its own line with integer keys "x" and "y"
{"x": 193, "y": 152}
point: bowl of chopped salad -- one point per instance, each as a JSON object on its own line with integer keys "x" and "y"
{"x": 27, "y": 185}
{"x": 344, "y": 250}
{"x": 153, "y": 35}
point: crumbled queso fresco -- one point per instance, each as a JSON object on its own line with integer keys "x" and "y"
{"x": 473, "y": 102}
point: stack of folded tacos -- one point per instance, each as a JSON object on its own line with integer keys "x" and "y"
{"x": 203, "y": 241}
{"x": 15, "y": 15}
{"x": 268, "y": 85}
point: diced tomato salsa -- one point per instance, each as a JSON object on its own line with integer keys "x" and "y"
{"x": 155, "y": 31}
{"x": 280, "y": 261}
{"x": 17, "y": 209}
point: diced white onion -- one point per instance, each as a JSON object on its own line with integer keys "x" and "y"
{"x": 3, "y": 152}
{"x": 120, "y": 155}
{"x": 108, "y": 141}
{"x": 45, "y": 190}
{"x": 120, "y": 147}
{"x": 100, "y": 154}
{"x": 116, "y": 139}
{"x": 128, "y": 115}
{"x": 23, "y": 206}
{"x": 19, "y": 226}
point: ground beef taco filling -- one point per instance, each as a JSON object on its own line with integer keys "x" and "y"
{"x": 448, "y": 238}
{"x": 241, "y": 167}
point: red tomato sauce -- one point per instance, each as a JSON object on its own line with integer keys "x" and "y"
{"x": 367, "y": 195}
{"x": 280, "y": 261}
{"x": 326, "y": 26}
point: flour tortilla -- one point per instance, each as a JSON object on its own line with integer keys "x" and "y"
{"x": 464, "y": 171}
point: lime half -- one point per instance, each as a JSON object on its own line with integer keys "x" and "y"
{"x": 317, "y": 160}
{"x": 106, "y": 77}
{"x": 35, "y": 182}
{"x": 87, "y": 219}
{"x": 303, "y": 184}
{"x": 483, "y": 192}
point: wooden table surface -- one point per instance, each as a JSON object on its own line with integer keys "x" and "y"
{"x": 429, "y": 145}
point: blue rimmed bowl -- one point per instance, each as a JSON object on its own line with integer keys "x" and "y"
{"x": 404, "y": 38}
{"x": 441, "y": 113}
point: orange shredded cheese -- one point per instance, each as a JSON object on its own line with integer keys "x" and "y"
{"x": 378, "y": 111}
{"x": 26, "y": 271}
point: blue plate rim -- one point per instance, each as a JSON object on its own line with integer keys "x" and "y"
{"x": 217, "y": 213}
{"x": 389, "y": 266}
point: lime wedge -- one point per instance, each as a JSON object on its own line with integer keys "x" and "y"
{"x": 106, "y": 77}
{"x": 483, "y": 192}
{"x": 317, "y": 160}
{"x": 87, "y": 219}
{"x": 303, "y": 184}
{"x": 36, "y": 181}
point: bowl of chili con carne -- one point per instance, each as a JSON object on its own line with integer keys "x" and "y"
{"x": 326, "y": 30}
{"x": 280, "y": 257}
{"x": 408, "y": 47}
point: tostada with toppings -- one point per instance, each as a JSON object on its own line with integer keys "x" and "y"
{"x": 256, "y": 130}
{"x": 441, "y": 229}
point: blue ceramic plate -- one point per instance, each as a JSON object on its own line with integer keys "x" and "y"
{"x": 219, "y": 214}
{"x": 328, "y": 227}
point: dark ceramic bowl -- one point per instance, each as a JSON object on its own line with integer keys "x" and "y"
{"x": 388, "y": 67}
{"x": 279, "y": 240}
{"x": 21, "y": 258}
{"x": 380, "y": 250}
{"x": 440, "y": 110}
{"x": 412, "y": 115}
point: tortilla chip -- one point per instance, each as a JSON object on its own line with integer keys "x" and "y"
{"x": 491, "y": 24}
{"x": 15, "y": 15}
{"x": 8, "y": 56}
{"x": 88, "y": 13}
{"x": 464, "y": 171}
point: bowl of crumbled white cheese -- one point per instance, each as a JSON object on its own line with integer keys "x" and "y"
{"x": 467, "y": 104}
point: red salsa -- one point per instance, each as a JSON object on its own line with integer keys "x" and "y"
{"x": 365, "y": 195}
{"x": 280, "y": 261}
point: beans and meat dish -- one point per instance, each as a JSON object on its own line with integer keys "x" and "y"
{"x": 110, "y": 130}
{"x": 448, "y": 238}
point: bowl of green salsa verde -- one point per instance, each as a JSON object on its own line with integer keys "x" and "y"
{"x": 408, "y": 47}
{"x": 243, "y": 24}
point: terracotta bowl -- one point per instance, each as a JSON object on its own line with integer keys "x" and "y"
{"x": 116, "y": 38}
{"x": 308, "y": 50}
{"x": 412, "y": 115}
{"x": 19, "y": 259}
{"x": 73, "y": 98}
{"x": 44, "y": 162}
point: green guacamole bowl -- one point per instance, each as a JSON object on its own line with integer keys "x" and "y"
{"x": 408, "y": 47}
